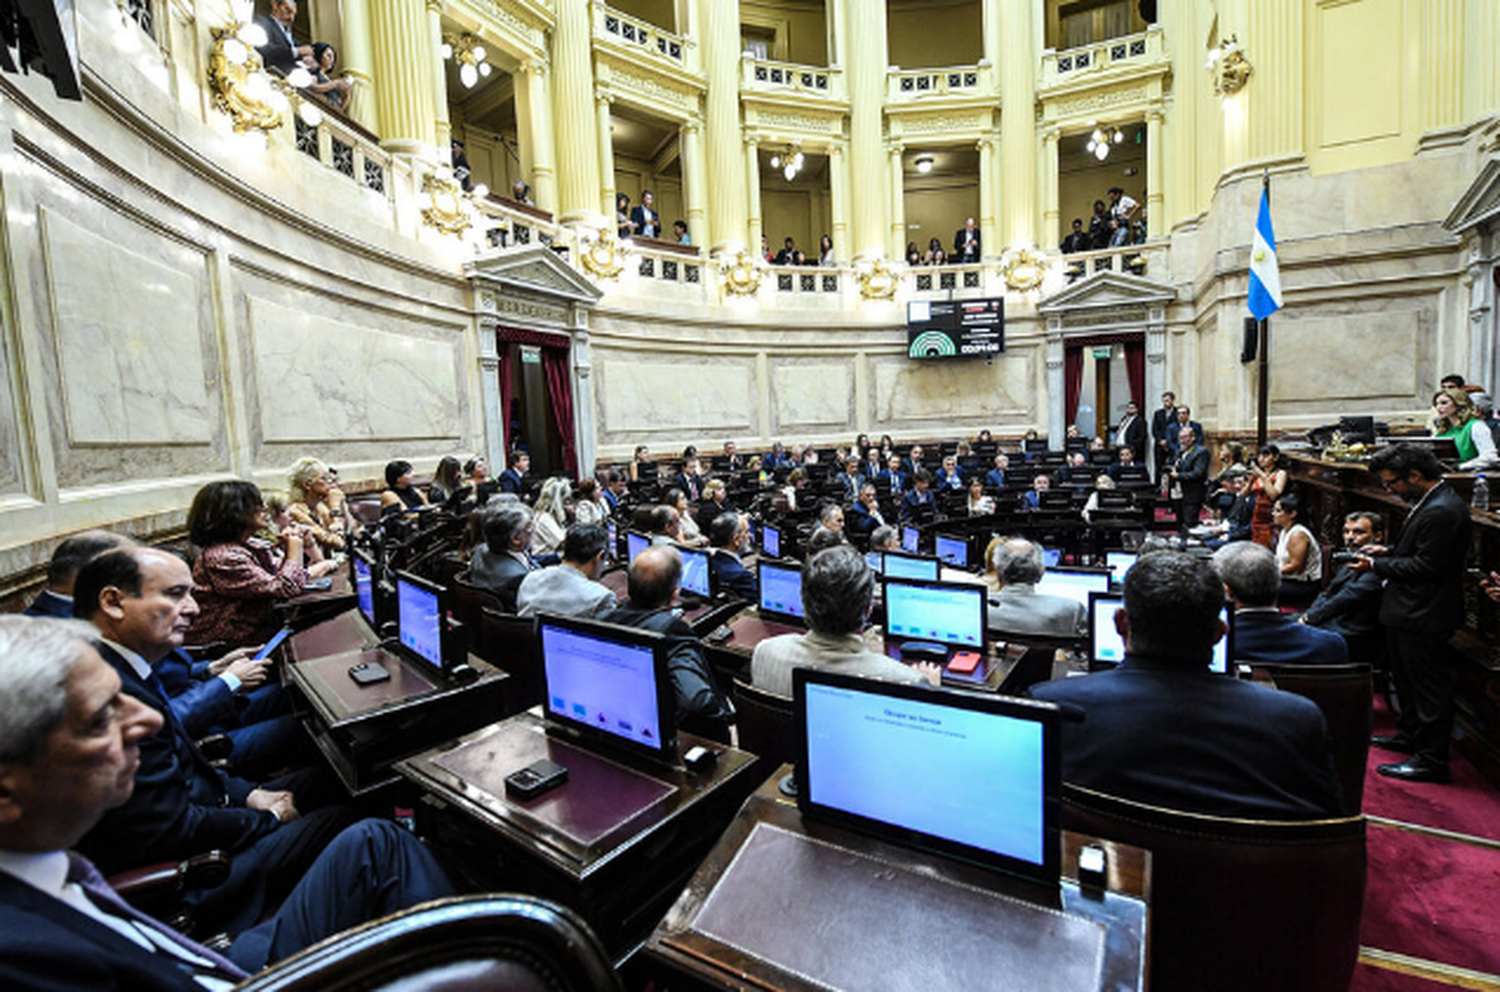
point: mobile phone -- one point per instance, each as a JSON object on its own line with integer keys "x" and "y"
{"x": 273, "y": 643}
{"x": 964, "y": 662}
{"x": 536, "y": 778}
{"x": 368, "y": 673}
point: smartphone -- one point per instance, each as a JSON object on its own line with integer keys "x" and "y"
{"x": 273, "y": 643}
{"x": 964, "y": 662}
{"x": 536, "y": 778}
{"x": 368, "y": 673}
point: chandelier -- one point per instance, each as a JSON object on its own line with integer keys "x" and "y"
{"x": 469, "y": 52}
{"x": 789, "y": 161}
{"x": 1101, "y": 140}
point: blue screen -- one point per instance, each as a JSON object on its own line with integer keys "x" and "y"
{"x": 770, "y": 540}
{"x": 1119, "y": 563}
{"x": 694, "y": 571}
{"x": 1073, "y": 585}
{"x": 910, "y": 539}
{"x": 961, "y": 775}
{"x": 953, "y": 550}
{"x": 781, "y": 589}
{"x": 876, "y": 561}
{"x": 635, "y": 544}
{"x": 1051, "y": 557}
{"x": 613, "y": 540}
{"x": 1109, "y": 646}
{"x": 953, "y": 616}
{"x": 364, "y": 589}
{"x": 419, "y": 622}
{"x": 902, "y": 567}
{"x": 607, "y": 684}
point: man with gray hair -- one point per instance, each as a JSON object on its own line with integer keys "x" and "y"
{"x": 837, "y": 589}
{"x": 506, "y": 558}
{"x": 1251, "y": 579}
{"x": 1017, "y": 608}
{"x": 572, "y": 587}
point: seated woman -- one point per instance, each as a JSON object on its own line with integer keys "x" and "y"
{"x": 689, "y": 532}
{"x": 588, "y": 503}
{"x": 1297, "y": 552}
{"x": 238, "y": 578}
{"x": 399, "y": 493}
{"x": 446, "y": 481}
{"x": 1457, "y": 419}
{"x": 279, "y": 511}
{"x": 477, "y": 471}
{"x": 317, "y": 505}
{"x": 551, "y": 520}
{"x": 980, "y": 505}
{"x": 641, "y": 465}
{"x": 1100, "y": 482}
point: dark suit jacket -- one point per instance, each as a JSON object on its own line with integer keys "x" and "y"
{"x": 860, "y": 520}
{"x": 1159, "y": 421}
{"x": 201, "y": 704}
{"x": 1135, "y": 438}
{"x": 972, "y": 255}
{"x": 731, "y": 578}
{"x": 500, "y": 574}
{"x": 276, "y": 53}
{"x": 181, "y": 806}
{"x": 995, "y": 477}
{"x": 46, "y": 944}
{"x": 639, "y": 219}
{"x": 915, "y": 504}
{"x": 49, "y": 604}
{"x": 1350, "y": 606}
{"x": 1197, "y": 741}
{"x": 1175, "y": 428}
{"x": 1276, "y": 638}
{"x": 690, "y": 484}
{"x": 702, "y": 708}
{"x": 1424, "y": 571}
{"x": 899, "y": 481}
{"x": 512, "y": 481}
{"x": 1192, "y": 473}
{"x": 850, "y": 485}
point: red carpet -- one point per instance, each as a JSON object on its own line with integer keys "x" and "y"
{"x": 1468, "y": 806}
{"x": 1371, "y": 979}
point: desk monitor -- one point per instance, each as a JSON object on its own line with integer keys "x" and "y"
{"x": 1051, "y": 557}
{"x": 1119, "y": 563}
{"x": 911, "y": 538}
{"x": 770, "y": 540}
{"x": 950, "y": 613}
{"x": 363, "y": 579}
{"x": 1034, "y": 445}
{"x": 900, "y": 565}
{"x": 971, "y": 775}
{"x": 420, "y": 621}
{"x": 613, "y": 540}
{"x": 608, "y": 685}
{"x": 876, "y": 561}
{"x": 781, "y": 592}
{"x": 952, "y": 549}
{"x": 696, "y": 575}
{"x": 1107, "y": 647}
{"x": 1073, "y": 584}
{"x": 635, "y": 543}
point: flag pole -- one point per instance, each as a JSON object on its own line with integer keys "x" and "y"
{"x": 1263, "y": 332}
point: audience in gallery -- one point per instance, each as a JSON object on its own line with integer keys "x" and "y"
{"x": 571, "y": 587}
{"x": 624, "y": 226}
{"x": 318, "y": 504}
{"x": 1262, "y": 633}
{"x": 825, "y": 252}
{"x": 1350, "y": 606}
{"x": 644, "y": 220}
{"x": 521, "y": 193}
{"x": 334, "y": 92}
{"x": 967, "y": 243}
{"x": 400, "y": 493}
{"x": 284, "y": 55}
{"x": 680, "y": 232}
{"x": 1016, "y": 607}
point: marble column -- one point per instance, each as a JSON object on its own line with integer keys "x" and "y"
{"x": 403, "y": 101}
{"x": 838, "y": 194}
{"x": 753, "y": 229}
{"x": 1274, "y": 96}
{"x": 534, "y": 119}
{"x": 1057, "y": 416}
{"x": 1018, "y": 179}
{"x": 896, "y": 245}
{"x": 442, "y": 127}
{"x": 583, "y": 392}
{"x": 1051, "y": 207}
{"x": 489, "y": 390}
{"x": 864, "y": 51}
{"x": 606, "y": 156}
{"x": 1157, "y": 224}
{"x": 573, "y": 117}
{"x": 690, "y": 156}
{"x": 719, "y": 23}
{"x": 357, "y": 58}
{"x": 1443, "y": 63}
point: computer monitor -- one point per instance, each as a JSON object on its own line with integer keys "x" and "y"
{"x": 420, "y": 620}
{"x": 1034, "y": 445}
{"x": 1073, "y": 584}
{"x": 972, "y": 775}
{"x": 635, "y": 543}
{"x": 1051, "y": 557}
{"x": 770, "y": 540}
{"x": 899, "y": 565}
{"x": 1119, "y": 563}
{"x": 608, "y": 684}
{"x": 613, "y": 539}
{"x": 362, "y": 577}
{"x": 876, "y": 561}
{"x": 1107, "y": 647}
{"x": 696, "y": 575}
{"x": 781, "y": 592}
{"x": 952, "y": 549}
{"x": 911, "y": 538}
{"x": 950, "y": 613}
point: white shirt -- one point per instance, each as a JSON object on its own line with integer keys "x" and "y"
{"x": 1124, "y": 207}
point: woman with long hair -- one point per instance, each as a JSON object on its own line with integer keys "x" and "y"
{"x": 1267, "y": 486}
{"x": 1455, "y": 417}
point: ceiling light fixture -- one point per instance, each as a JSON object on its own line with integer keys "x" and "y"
{"x": 470, "y": 54}
{"x": 1100, "y": 141}
{"x": 924, "y": 164}
{"x": 789, "y": 160}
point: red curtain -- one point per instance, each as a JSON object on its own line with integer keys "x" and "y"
{"x": 560, "y": 392}
{"x": 1135, "y": 371}
{"x": 505, "y": 397}
{"x": 1072, "y": 381}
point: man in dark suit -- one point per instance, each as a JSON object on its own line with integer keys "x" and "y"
{"x": 67, "y": 558}
{"x": 506, "y": 558}
{"x": 1161, "y": 424}
{"x": 1350, "y": 606}
{"x": 788, "y": 253}
{"x": 1190, "y": 471}
{"x": 645, "y": 218}
{"x": 918, "y": 505}
{"x": 68, "y": 758}
{"x": 690, "y": 480}
{"x": 1131, "y": 432}
{"x": 281, "y": 51}
{"x": 1076, "y": 241}
{"x": 730, "y": 537}
{"x": 1162, "y": 729}
{"x": 1184, "y": 419}
{"x": 1422, "y": 605}
{"x": 995, "y": 477}
{"x": 865, "y": 515}
{"x": 1251, "y": 578}
{"x": 966, "y": 243}
{"x": 513, "y": 479}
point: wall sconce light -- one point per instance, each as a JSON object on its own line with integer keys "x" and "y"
{"x": 470, "y": 54}
{"x": 924, "y": 164}
{"x": 1229, "y": 67}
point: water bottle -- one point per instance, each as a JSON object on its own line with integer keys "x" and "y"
{"x": 1481, "y": 498}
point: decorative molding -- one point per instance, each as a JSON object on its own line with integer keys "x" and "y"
{"x": 1024, "y": 269}
{"x": 743, "y": 273}
{"x": 822, "y": 124}
{"x": 654, "y": 89}
{"x": 240, "y": 86}
{"x": 943, "y": 123}
{"x": 513, "y": 306}
{"x": 1100, "y": 100}
{"x": 603, "y": 257}
{"x": 879, "y": 281}
{"x": 524, "y": 26}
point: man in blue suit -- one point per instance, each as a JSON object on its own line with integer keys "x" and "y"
{"x": 513, "y": 479}
{"x": 1261, "y": 631}
{"x": 729, "y": 535}
{"x": 995, "y": 477}
{"x": 893, "y": 474}
{"x": 67, "y": 558}
{"x": 70, "y": 750}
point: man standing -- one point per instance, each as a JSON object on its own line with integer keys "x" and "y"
{"x": 571, "y": 587}
{"x": 1263, "y": 633}
{"x": 1131, "y": 433}
{"x": 1161, "y": 426}
{"x": 1122, "y": 209}
{"x": 1422, "y": 606}
{"x": 1078, "y": 240}
{"x": 966, "y": 250}
{"x": 281, "y": 51}
{"x": 1190, "y": 471}
{"x": 645, "y": 218}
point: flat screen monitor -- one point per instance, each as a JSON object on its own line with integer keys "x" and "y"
{"x": 1107, "y": 647}
{"x": 1074, "y": 585}
{"x": 953, "y": 550}
{"x": 613, "y": 541}
{"x": 971, "y": 775}
{"x": 419, "y": 619}
{"x": 635, "y": 543}
{"x": 364, "y": 585}
{"x": 1051, "y": 557}
{"x": 1119, "y": 563}
{"x": 899, "y": 565}
{"x": 911, "y": 539}
{"x": 950, "y": 613}
{"x": 876, "y": 561}
{"x": 608, "y": 684}
{"x": 781, "y": 592}
{"x": 770, "y": 540}
{"x": 695, "y": 572}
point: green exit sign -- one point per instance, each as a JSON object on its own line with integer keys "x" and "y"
{"x": 1102, "y": 354}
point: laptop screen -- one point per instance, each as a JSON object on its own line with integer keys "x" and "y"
{"x": 904, "y": 566}
{"x": 770, "y": 540}
{"x": 364, "y": 587}
{"x": 911, "y": 538}
{"x": 1108, "y": 647}
{"x": 781, "y": 591}
{"x": 635, "y": 543}
{"x": 953, "y": 550}
{"x": 1119, "y": 563}
{"x": 1073, "y": 585}
{"x": 969, "y": 774}
{"x": 694, "y": 571}
{"x": 608, "y": 682}
{"x": 950, "y": 613}
{"x": 419, "y": 620}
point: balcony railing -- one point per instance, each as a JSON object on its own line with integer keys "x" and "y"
{"x": 345, "y": 148}
{"x": 612, "y": 25}
{"x": 1090, "y": 61}
{"x": 1127, "y": 259}
{"x": 766, "y": 76}
{"x": 912, "y": 85}
{"x": 509, "y": 224}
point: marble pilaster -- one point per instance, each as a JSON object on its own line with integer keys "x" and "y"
{"x": 574, "y": 117}
{"x": 719, "y": 22}
{"x": 404, "y": 98}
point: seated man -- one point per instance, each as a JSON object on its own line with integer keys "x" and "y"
{"x": 1125, "y": 461}
{"x": 918, "y": 505}
{"x": 70, "y": 751}
{"x": 865, "y": 516}
{"x": 1350, "y": 606}
{"x": 572, "y": 587}
{"x": 654, "y": 579}
{"x": 690, "y": 480}
{"x": 837, "y": 590}
{"x": 1031, "y": 499}
{"x": 1017, "y": 608}
{"x": 895, "y": 475}
{"x": 730, "y": 537}
{"x": 664, "y": 525}
{"x": 1262, "y": 632}
{"x": 1162, "y": 729}
{"x": 995, "y": 477}
{"x": 950, "y": 476}
{"x": 140, "y": 602}
{"x": 822, "y": 538}
{"x": 885, "y": 538}
{"x": 831, "y": 517}
{"x": 67, "y": 558}
{"x": 505, "y": 558}
{"x": 1077, "y": 472}
{"x": 514, "y": 478}
{"x": 913, "y": 462}
{"x": 1234, "y": 524}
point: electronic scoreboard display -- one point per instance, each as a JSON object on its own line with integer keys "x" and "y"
{"x": 955, "y": 329}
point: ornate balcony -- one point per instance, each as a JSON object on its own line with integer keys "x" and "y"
{"x": 767, "y": 77}
{"x": 915, "y": 86}
{"x": 1104, "y": 62}
{"x": 640, "y": 37}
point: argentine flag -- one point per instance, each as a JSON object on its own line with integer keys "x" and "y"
{"x": 1265, "y": 277}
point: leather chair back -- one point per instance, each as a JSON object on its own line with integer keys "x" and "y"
{"x": 1344, "y": 694}
{"x": 766, "y": 724}
{"x": 509, "y": 642}
{"x": 509, "y": 943}
{"x": 1240, "y": 904}
{"x": 465, "y": 601}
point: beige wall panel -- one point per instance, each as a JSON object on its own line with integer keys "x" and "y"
{"x": 957, "y": 396}
{"x": 814, "y": 396}
{"x": 925, "y": 33}
{"x": 675, "y": 397}
{"x": 788, "y": 212}
{"x": 800, "y": 26}
{"x": 1359, "y": 59}
{"x": 939, "y": 212}
{"x": 658, "y": 12}
{"x": 1321, "y": 358}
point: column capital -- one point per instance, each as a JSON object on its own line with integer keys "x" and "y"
{"x": 691, "y": 126}
{"x": 984, "y": 144}
{"x": 752, "y": 141}
{"x": 1155, "y": 115}
{"x": 534, "y": 67}
{"x": 434, "y": 6}
{"x": 604, "y": 99}
{"x": 895, "y": 147}
{"x": 1052, "y": 134}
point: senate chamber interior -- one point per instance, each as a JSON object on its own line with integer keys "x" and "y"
{"x": 728, "y": 494}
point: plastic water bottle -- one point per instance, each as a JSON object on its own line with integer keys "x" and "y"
{"x": 1481, "y": 498}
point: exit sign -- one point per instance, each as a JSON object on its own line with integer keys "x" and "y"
{"x": 1103, "y": 354}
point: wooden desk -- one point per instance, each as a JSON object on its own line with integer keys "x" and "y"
{"x": 617, "y": 842}
{"x": 897, "y": 921}
{"x": 702, "y": 617}
{"x": 363, "y": 729}
{"x": 317, "y": 605}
